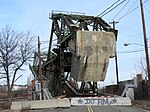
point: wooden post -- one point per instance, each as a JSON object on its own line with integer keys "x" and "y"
{"x": 40, "y": 68}
{"x": 116, "y": 60}
{"x": 145, "y": 39}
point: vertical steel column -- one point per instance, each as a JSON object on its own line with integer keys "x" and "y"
{"x": 61, "y": 57}
{"x": 95, "y": 26}
{"x": 82, "y": 87}
{"x": 94, "y": 87}
{"x": 50, "y": 42}
{"x": 62, "y": 70}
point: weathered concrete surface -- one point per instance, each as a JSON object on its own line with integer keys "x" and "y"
{"x": 100, "y": 101}
{"x": 40, "y": 104}
{"x": 91, "y": 57}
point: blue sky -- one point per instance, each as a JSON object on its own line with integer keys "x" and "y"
{"x": 33, "y": 15}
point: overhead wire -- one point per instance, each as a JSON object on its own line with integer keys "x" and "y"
{"x": 108, "y": 8}
{"x": 132, "y": 51}
{"x": 148, "y": 13}
{"x": 113, "y": 5}
{"x": 127, "y": 13}
{"x": 132, "y": 5}
{"x": 121, "y": 10}
{"x": 113, "y": 8}
{"x": 130, "y": 11}
{"x": 147, "y": 10}
{"x": 145, "y": 1}
{"x": 133, "y": 30}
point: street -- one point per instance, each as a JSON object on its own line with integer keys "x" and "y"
{"x": 95, "y": 109}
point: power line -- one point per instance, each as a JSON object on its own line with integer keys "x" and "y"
{"x": 147, "y": 10}
{"x": 130, "y": 11}
{"x": 121, "y": 10}
{"x": 127, "y": 29}
{"x": 145, "y": 1}
{"x": 127, "y": 13}
{"x": 132, "y": 51}
{"x": 108, "y": 8}
{"x": 132, "y": 5}
{"x": 46, "y": 41}
{"x": 113, "y": 8}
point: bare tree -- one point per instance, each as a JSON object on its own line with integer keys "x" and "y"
{"x": 141, "y": 67}
{"x": 16, "y": 50}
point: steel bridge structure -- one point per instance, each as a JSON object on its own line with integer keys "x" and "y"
{"x": 56, "y": 62}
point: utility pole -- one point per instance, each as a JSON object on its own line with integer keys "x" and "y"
{"x": 40, "y": 68}
{"x": 116, "y": 61}
{"x": 145, "y": 39}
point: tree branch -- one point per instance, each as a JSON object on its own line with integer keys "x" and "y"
{"x": 17, "y": 78}
{"x": 15, "y": 50}
{"x": 3, "y": 77}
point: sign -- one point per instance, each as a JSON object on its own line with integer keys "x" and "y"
{"x": 100, "y": 101}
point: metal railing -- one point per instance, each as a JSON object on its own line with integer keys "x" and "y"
{"x": 14, "y": 99}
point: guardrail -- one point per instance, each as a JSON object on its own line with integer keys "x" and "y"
{"x": 14, "y": 99}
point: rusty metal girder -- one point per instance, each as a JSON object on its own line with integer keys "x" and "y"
{"x": 86, "y": 42}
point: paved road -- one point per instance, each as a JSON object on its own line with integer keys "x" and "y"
{"x": 95, "y": 109}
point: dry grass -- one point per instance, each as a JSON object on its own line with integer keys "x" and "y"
{"x": 4, "y": 106}
{"x": 25, "y": 109}
{"x": 142, "y": 104}
{"x": 3, "y": 95}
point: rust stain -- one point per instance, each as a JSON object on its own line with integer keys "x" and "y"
{"x": 104, "y": 66}
{"x": 97, "y": 47}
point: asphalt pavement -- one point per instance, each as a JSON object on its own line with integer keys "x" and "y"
{"x": 94, "y": 109}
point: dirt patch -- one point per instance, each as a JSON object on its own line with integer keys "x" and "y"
{"x": 3, "y": 95}
{"x": 144, "y": 104}
{"x": 4, "y": 106}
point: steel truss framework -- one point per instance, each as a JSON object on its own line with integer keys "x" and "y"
{"x": 58, "y": 64}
